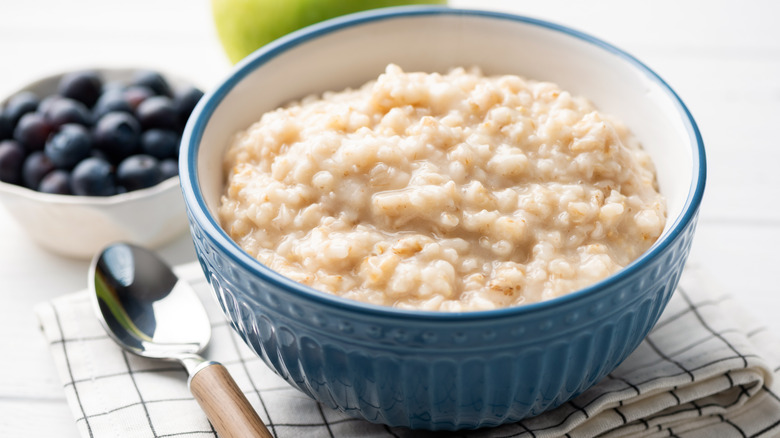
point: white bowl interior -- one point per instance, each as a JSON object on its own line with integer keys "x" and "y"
{"x": 350, "y": 56}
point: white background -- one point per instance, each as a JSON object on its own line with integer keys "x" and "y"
{"x": 722, "y": 57}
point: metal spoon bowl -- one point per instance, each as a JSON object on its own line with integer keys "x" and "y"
{"x": 150, "y": 312}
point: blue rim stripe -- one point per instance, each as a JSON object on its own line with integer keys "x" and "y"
{"x": 196, "y": 126}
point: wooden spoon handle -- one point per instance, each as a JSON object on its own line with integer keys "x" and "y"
{"x": 225, "y": 405}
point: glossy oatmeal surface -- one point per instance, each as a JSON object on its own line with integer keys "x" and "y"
{"x": 451, "y": 192}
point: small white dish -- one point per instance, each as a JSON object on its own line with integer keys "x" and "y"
{"x": 80, "y": 226}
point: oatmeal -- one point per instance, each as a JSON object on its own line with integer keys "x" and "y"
{"x": 451, "y": 192}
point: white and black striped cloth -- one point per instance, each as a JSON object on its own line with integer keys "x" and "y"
{"x": 706, "y": 370}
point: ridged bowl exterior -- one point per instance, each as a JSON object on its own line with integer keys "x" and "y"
{"x": 404, "y": 371}
{"x": 431, "y": 370}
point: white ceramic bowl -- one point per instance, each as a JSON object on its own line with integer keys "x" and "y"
{"x": 79, "y": 226}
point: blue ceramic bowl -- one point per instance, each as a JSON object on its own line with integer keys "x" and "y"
{"x": 441, "y": 370}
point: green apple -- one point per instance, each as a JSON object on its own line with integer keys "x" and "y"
{"x": 244, "y": 26}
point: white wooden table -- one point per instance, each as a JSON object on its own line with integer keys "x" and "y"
{"x": 722, "y": 57}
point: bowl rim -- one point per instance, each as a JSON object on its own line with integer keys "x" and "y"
{"x": 194, "y": 199}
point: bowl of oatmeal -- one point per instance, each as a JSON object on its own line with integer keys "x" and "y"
{"x": 440, "y": 218}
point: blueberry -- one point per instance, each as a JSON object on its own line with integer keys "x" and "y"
{"x": 11, "y": 159}
{"x": 36, "y": 166}
{"x": 6, "y": 128}
{"x": 138, "y": 172}
{"x": 154, "y": 81}
{"x": 118, "y": 134}
{"x": 93, "y": 177}
{"x": 157, "y": 112}
{"x": 84, "y": 86}
{"x": 160, "y": 143}
{"x": 185, "y": 100}
{"x": 19, "y": 105}
{"x": 47, "y": 102}
{"x": 64, "y": 110}
{"x": 68, "y": 146}
{"x": 57, "y": 181}
{"x": 32, "y": 131}
{"x": 169, "y": 168}
{"x": 110, "y": 101}
{"x": 135, "y": 94}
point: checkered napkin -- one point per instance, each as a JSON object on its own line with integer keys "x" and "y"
{"x": 706, "y": 370}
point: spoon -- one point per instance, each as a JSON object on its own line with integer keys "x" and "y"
{"x": 148, "y": 311}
